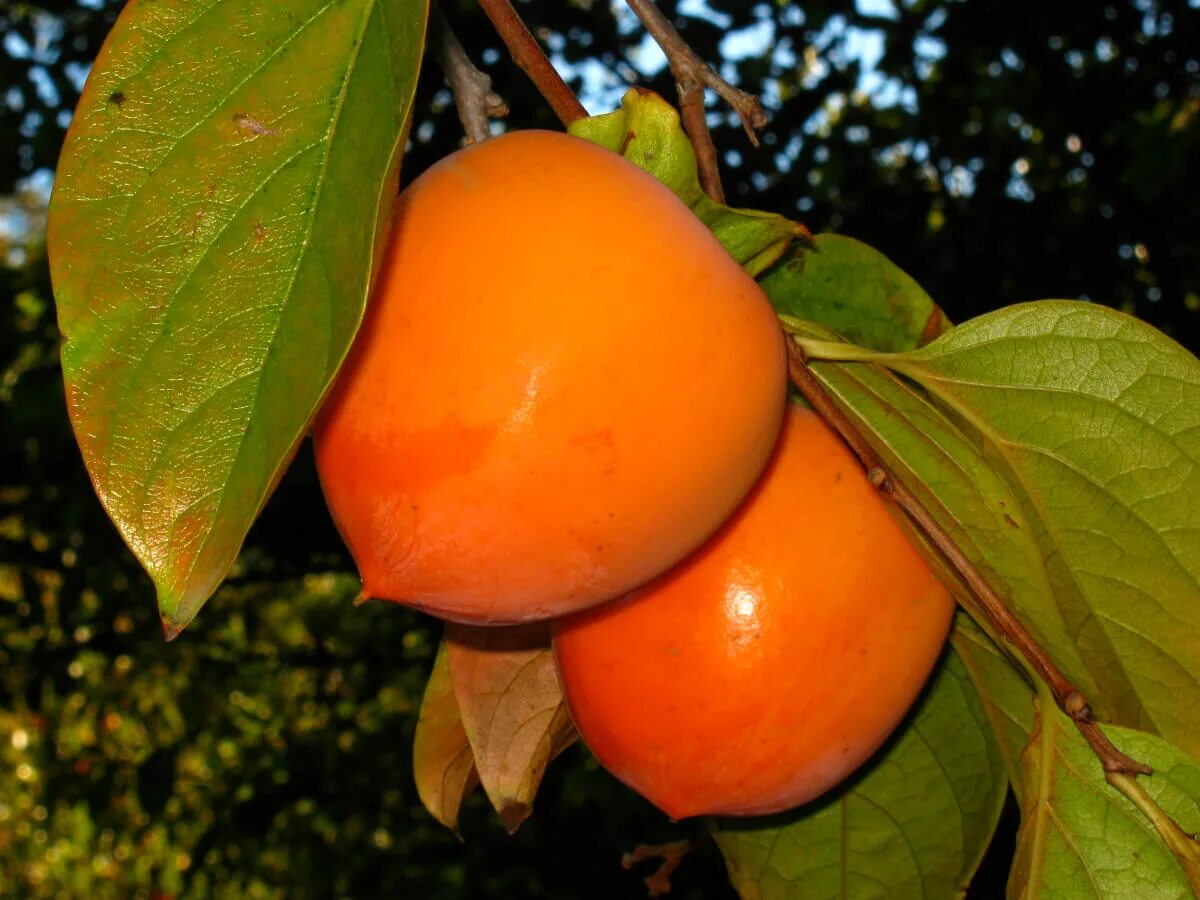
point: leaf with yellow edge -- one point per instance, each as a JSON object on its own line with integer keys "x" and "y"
{"x": 221, "y": 196}
{"x": 443, "y": 764}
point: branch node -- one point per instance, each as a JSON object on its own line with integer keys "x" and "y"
{"x": 692, "y": 76}
{"x": 473, "y": 95}
{"x": 1076, "y": 706}
{"x": 658, "y": 883}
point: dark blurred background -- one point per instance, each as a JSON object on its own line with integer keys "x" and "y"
{"x": 998, "y": 151}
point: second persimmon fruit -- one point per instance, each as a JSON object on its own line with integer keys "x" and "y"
{"x": 562, "y": 386}
{"x": 776, "y": 659}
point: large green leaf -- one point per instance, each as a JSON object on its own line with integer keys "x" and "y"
{"x": 220, "y": 199}
{"x": 914, "y": 823}
{"x": 854, "y": 289}
{"x": 646, "y": 131}
{"x": 1091, "y": 420}
{"x": 1079, "y": 838}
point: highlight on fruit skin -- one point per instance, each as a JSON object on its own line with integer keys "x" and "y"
{"x": 562, "y": 386}
{"x": 774, "y": 661}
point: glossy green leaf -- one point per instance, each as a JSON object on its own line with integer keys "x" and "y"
{"x": 1080, "y": 838}
{"x": 914, "y": 823}
{"x": 220, "y": 199}
{"x": 512, "y": 709}
{"x": 854, "y": 289}
{"x": 443, "y": 764}
{"x": 1092, "y": 420}
{"x": 646, "y": 131}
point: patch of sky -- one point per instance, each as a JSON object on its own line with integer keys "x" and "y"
{"x": 77, "y": 74}
{"x": 960, "y": 182}
{"x": 601, "y": 85}
{"x": 29, "y": 126}
{"x": 1106, "y": 49}
{"x": 1017, "y": 187}
{"x": 16, "y": 46}
{"x": 754, "y": 40}
{"x": 44, "y": 85}
{"x": 22, "y": 216}
{"x": 44, "y": 49}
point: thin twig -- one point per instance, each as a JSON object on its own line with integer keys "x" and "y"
{"x": 1066, "y": 695}
{"x": 692, "y": 76}
{"x": 473, "y": 95}
{"x": 695, "y": 123}
{"x": 527, "y": 54}
{"x": 659, "y": 882}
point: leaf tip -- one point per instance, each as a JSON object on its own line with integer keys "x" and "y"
{"x": 513, "y": 814}
{"x": 175, "y": 613}
{"x": 172, "y": 628}
{"x": 447, "y": 817}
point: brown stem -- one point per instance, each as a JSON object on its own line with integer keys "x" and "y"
{"x": 527, "y": 54}
{"x": 672, "y": 855}
{"x": 1066, "y": 695}
{"x": 473, "y": 95}
{"x": 692, "y": 76}
{"x": 691, "y": 108}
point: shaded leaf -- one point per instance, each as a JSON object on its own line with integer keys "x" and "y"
{"x": 220, "y": 199}
{"x": 443, "y": 764}
{"x": 914, "y": 822}
{"x": 1092, "y": 419}
{"x": 1081, "y": 838}
{"x": 512, "y": 709}
{"x": 646, "y": 131}
{"x": 854, "y": 289}
{"x": 1006, "y": 694}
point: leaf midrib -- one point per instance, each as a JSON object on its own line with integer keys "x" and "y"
{"x": 130, "y": 200}
{"x": 321, "y": 181}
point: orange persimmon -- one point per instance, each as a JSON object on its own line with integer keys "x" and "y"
{"x": 562, "y": 386}
{"x": 776, "y": 659}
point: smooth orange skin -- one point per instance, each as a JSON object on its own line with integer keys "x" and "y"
{"x": 563, "y": 385}
{"x": 775, "y": 660}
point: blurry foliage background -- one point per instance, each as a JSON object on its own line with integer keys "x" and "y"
{"x": 998, "y": 151}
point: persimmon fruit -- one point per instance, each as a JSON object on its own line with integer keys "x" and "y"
{"x": 772, "y": 662}
{"x": 563, "y": 384}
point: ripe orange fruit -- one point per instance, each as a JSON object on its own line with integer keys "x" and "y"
{"x": 562, "y": 386}
{"x": 775, "y": 660}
